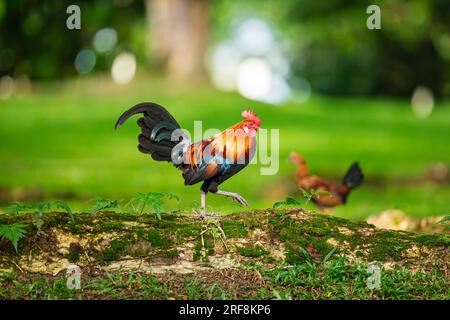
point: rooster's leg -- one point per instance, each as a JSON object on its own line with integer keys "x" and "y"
{"x": 203, "y": 214}
{"x": 203, "y": 205}
{"x": 216, "y": 223}
{"x": 234, "y": 196}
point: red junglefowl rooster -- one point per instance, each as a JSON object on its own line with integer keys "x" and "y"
{"x": 333, "y": 194}
{"x": 211, "y": 161}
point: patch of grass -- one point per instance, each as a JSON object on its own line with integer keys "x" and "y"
{"x": 106, "y": 286}
{"x": 340, "y": 279}
{"x": 120, "y": 286}
{"x": 199, "y": 290}
{"x": 20, "y": 287}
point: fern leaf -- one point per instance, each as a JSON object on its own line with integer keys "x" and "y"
{"x": 13, "y": 233}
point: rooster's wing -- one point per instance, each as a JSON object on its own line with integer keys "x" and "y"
{"x": 218, "y": 157}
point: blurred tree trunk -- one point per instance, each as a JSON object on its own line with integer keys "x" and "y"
{"x": 178, "y": 30}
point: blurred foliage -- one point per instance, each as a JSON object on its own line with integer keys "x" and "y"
{"x": 35, "y": 41}
{"x": 344, "y": 57}
{"x": 327, "y": 41}
{"x": 330, "y": 45}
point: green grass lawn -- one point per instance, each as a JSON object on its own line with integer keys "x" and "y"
{"x": 61, "y": 140}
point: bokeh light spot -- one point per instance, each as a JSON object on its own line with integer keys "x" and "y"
{"x": 254, "y": 37}
{"x": 6, "y": 87}
{"x": 85, "y": 61}
{"x": 254, "y": 78}
{"x": 224, "y": 65}
{"x": 105, "y": 40}
{"x": 439, "y": 171}
{"x": 123, "y": 68}
{"x": 422, "y": 102}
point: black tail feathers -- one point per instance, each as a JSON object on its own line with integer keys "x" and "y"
{"x": 157, "y": 127}
{"x": 354, "y": 176}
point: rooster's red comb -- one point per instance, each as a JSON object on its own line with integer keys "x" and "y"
{"x": 250, "y": 115}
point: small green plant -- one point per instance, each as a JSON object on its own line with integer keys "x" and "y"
{"x": 38, "y": 216}
{"x": 308, "y": 259}
{"x": 64, "y": 206}
{"x": 289, "y": 201}
{"x": 154, "y": 200}
{"x": 13, "y": 233}
{"x": 282, "y": 294}
{"x": 39, "y": 209}
{"x": 308, "y": 195}
{"x": 102, "y": 204}
{"x": 329, "y": 254}
{"x": 17, "y": 207}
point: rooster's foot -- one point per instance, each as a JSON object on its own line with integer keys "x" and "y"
{"x": 233, "y": 196}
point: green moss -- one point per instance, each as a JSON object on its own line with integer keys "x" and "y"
{"x": 157, "y": 239}
{"x": 234, "y": 229}
{"x": 253, "y": 251}
{"x": 252, "y": 223}
{"x": 359, "y": 254}
{"x": 203, "y": 253}
{"x": 139, "y": 248}
{"x": 111, "y": 226}
{"x": 293, "y": 255}
{"x": 385, "y": 246}
{"x": 187, "y": 230}
{"x": 76, "y": 228}
{"x": 197, "y": 251}
{"x": 114, "y": 251}
{"x": 172, "y": 254}
{"x": 446, "y": 239}
{"x": 433, "y": 239}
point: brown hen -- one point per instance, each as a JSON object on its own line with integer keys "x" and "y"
{"x": 328, "y": 194}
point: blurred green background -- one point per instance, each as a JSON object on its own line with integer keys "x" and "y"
{"x": 337, "y": 91}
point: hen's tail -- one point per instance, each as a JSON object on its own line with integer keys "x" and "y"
{"x": 354, "y": 176}
{"x": 157, "y": 127}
